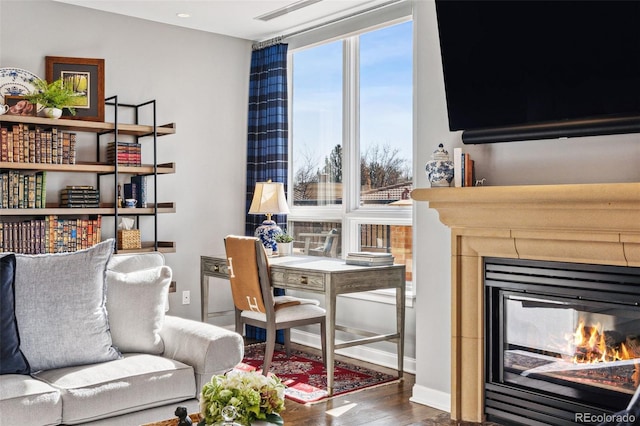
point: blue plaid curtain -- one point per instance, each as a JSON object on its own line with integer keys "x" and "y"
{"x": 267, "y": 142}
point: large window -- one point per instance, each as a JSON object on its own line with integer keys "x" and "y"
{"x": 352, "y": 143}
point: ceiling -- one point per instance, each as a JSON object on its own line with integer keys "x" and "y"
{"x": 236, "y": 18}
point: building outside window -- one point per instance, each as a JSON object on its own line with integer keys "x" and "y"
{"x": 351, "y": 144}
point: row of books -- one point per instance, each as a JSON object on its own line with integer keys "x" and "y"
{"x": 21, "y": 144}
{"x": 23, "y": 190}
{"x": 137, "y": 190}
{"x": 49, "y": 235}
{"x": 464, "y": 169}
{"x": 79, "y": 197}
{"x": 366, "y": 258}
{"x": 128, "y": 153}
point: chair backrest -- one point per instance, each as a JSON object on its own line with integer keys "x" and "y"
{"x": 330, "y": 247}
{"x": 248, "y": 274}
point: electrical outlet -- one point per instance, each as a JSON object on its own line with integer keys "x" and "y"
{"x": 186, "y": 297}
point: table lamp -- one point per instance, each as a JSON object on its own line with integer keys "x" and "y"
{"x": 269, "y": 199}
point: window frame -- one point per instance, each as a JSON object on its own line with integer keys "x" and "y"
{"x": 349, "y": 212}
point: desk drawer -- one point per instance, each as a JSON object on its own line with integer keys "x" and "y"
{"x": 214, "y": 267}
{"x": 298, "y": 280}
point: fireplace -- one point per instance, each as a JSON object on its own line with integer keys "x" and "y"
{"x": 584, "y": 224}
{"x": 562, "y": 340}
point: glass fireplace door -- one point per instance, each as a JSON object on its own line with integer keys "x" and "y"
{"x": 585, "y": 350}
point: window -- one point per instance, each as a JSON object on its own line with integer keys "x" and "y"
{"x": 317, "y": 124}
{"x": 351, "y": 144}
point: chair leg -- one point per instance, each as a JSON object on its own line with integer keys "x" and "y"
{"x": 269, "y": 348}
{"x": 323, "y": 341}
{"x": 287, "y": 341}
{"x": 239, "y": 324}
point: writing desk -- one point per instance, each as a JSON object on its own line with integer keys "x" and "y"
{"x": 330, "y": 277}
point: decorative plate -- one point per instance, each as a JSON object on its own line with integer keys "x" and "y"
{"x": 16, "y": 82}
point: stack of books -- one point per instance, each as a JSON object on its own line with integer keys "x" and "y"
{"x": 365, "y": 258}
{"x": 137, "y": 190}
{"x": 79, "y": 197}
{"x": 129, "y": 153}
{"x": 464, "y": 169}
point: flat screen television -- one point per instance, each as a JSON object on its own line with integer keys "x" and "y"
{"x": 522, "y": 70}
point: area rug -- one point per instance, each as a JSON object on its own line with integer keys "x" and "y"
{"x": 306, "y": 378}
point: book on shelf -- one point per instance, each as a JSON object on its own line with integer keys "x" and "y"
{"x": 22, "y": 190}
{"x": 463, "y": 169}
{"x": 129, "y": 191}
{"x": 80, "y": 196}
{"x": 139, "y": 184}
{"x": 127, "y": 153}
{"x": 23, "y": 143}
{"x": 49, "y": 235}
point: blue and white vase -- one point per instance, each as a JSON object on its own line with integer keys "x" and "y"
{"x": 440, "y": 168}
{"x": 267, "y": 233}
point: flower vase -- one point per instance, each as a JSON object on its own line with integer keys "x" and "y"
{"x": 54, "y": 113}
{"x": 440, "y": 168}
{"x": 285, "y": 249}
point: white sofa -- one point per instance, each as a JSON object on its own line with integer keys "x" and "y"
{"x": 155, "y": 361}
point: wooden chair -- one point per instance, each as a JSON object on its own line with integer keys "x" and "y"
{"x": 328, "y": 248}
{"x": 254, "y": 301}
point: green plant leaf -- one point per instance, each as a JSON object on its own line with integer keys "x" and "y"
{"x": 52, "y": 95}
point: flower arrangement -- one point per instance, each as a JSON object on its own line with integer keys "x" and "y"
{"x": 254, "y": 397}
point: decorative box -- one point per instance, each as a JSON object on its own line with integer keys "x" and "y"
{"x": 129, "y": 239}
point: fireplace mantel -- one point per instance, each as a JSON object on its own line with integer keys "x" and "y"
{"x": 592, "y": 207}
{"x": 583, "y": 223}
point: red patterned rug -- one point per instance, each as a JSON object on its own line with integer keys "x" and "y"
{"x": 305, "y": 376}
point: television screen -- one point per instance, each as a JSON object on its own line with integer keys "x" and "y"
{"x": 513, "y": 63}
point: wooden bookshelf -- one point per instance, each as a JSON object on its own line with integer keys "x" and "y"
{"x": 100, "y": 169}
{"x": 91, "y": 126}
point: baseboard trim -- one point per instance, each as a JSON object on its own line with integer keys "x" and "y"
{"x": 365, "y": 353}
{"x": 431, "y": 397}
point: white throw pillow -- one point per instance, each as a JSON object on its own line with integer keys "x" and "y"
{"x": 60, "y": 307}
{"x": 135, "y": 306}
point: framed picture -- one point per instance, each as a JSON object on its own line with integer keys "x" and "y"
{"x": 86, "y": 78}
{"x": 18, "y": 105}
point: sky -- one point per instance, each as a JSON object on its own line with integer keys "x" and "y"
{"x": 386, "y": 94}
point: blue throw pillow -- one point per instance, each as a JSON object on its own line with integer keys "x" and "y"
{"x": 12, "y": 361}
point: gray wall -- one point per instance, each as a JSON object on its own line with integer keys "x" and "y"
{"x": 601, "y": 159}
{"x": 200, "y": 82}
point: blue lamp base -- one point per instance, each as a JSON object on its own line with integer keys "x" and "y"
{"x": 267, "y": 233}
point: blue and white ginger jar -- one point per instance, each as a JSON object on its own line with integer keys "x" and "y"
{"x": 440, "y": 168}
{"x": 267, "y": 233}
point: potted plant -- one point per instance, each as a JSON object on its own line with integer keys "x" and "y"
{"x": 285, "y": 244}
{"x": 53, "y": 97}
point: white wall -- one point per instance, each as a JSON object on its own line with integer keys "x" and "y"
{"x": 200, "y": 81}
{"x": 581, "y": 160}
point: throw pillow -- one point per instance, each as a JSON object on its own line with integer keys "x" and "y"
{"x": 60, "y": 307}
{"x": 12, "y": 361}
{"x": 135, "y": 305}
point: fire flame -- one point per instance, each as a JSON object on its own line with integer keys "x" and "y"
{"x": 590, "y": 346}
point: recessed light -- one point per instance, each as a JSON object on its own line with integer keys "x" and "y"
{"x": 183, "y": 15}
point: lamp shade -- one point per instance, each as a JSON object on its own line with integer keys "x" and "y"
{"x": 268, "y": 198}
